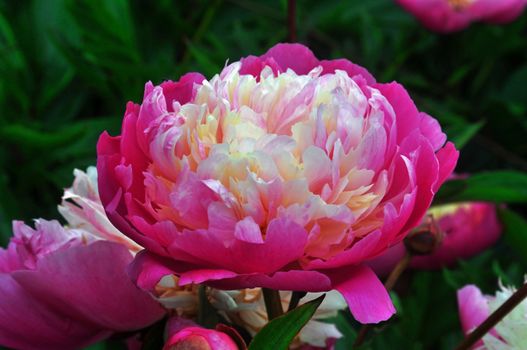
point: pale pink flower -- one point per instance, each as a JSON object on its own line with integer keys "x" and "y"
{"x": 82, "y": 209}
{"x": 452, "y": 15}
{"x": 282, "y": 171}
{"x": 466, "y": 228}
{"x": 474, "y": 307}
{"x": 65, "y": 289}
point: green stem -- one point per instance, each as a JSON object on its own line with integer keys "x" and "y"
{"x": 295, "y": 299}
{"x": 273, "y": 303}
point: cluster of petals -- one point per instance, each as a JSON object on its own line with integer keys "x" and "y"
{"x": 465, "y": 230}
{"x": 474, "y": 307}
{"x": 246, "y": 308}
{"x": 447, "y": 16}
{"x": 65, "y": 289}
{"x": 282, "y": 171}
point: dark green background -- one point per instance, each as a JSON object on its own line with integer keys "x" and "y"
{"x": 67, "y": 69}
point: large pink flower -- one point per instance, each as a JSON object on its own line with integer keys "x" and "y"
{"x": 446, "y": 16}
{"x": 283, "y": 172}
{"x": 467, "y": 229}
{"x": 61, "y": 289}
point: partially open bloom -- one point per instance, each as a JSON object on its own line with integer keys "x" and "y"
{"x": 282, "y": 171}
{"x": 474, "y": 307}
{"x": 64, "y": 289}
{"x": 185, "y": 335}
{"x": 246, "y": 308}
{"x": 452, "y": 15}
{"x": 466, "y": 229}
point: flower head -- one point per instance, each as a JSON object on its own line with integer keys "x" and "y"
{"x": 452, "y": 15}
{"x": 282, "y": 171}
{"x": 474, "y": 307}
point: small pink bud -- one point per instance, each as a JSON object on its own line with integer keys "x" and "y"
{"x": 197, "y": 338}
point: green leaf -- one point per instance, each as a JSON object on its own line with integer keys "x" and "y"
{"x": 495, "y": 186}
{"x": 281, "y": 331}
{"x": 461, "y": 134}
{"x": 515, "y": 231}
{"x": 343, "y": 323}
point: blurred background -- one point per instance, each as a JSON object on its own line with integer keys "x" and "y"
{"x": 67, "y": 69}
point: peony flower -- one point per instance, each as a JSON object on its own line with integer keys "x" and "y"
{"x": 82, "y": 209}
{"x": 64, "y": 289}
{"x": 283, "y": 172}
{"x": 474, "y": 307}
{"x": 184, "y": 334}
{"x": 447, "y": 16}
{"x": 467, "y": 229}
{"x": 246, "y": 308}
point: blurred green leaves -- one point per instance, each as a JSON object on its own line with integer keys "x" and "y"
{"x": 495, "y": 186}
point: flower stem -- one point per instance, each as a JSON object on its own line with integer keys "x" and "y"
{"x": 494, "y": 318}
{"x": 273, "y": 304}
{"x": 291, "y": 20}
{"x": 389, "y": 284}
{"x": 295, "y": 299}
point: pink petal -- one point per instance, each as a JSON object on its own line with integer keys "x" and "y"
{"x": 330, "y": 66}
{"x": 292, "y": 56}
{"x": 90, "y": 283}
{"x": 431, "y": 129}
{"x": 183, "y": 90}
{"x": 307, "y": 281}
{"x": 368, "y": 300}
{"x": 473, "y": 307}
{"x": 447, "y": 158}
{"x": 283, "y": 244}
{"x": 407, "y": 114}
{"x": 28, "y": 322}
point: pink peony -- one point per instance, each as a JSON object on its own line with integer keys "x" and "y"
{"x": 447, "y": 16}
{"x": 62, "y": 289}
{"x": 474, "y": 307}
{"x": 467, "y": 229}
{"x": 283, "y": 172}
{"x": 184, "y": 334}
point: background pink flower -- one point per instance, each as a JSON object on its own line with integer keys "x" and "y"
{"x": 61, "y": 289}
{"x": 475, "y": 307}
{"x": 452, "y": 15}
{"x": 467, "y": 229}
{"x": 282, "y": 171}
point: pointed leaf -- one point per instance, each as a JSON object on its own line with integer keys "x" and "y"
{"x": 281, "y": 331}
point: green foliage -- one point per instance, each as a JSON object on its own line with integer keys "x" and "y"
{"x": 496, "y": 186}
{"x": 280, "y": 332}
